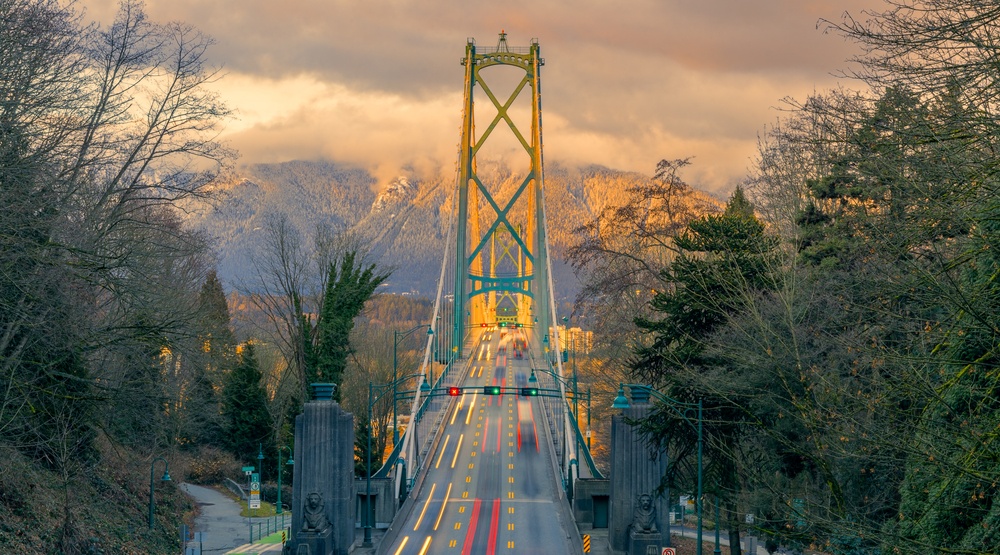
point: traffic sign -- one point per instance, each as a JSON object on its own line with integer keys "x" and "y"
{"x": 254, "y": 487}
{"x": 248, "y": 470}
{"x": 668, "y": 551}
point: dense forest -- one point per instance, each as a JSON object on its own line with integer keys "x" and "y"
{"x": 837, "y": 317}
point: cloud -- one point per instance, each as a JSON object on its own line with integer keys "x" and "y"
{"x": 625, "y": 84}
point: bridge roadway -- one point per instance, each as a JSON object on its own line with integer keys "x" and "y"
{"x": 490, "y": 486}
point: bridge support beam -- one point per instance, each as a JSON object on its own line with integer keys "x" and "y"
{"x": 521, "y": 272}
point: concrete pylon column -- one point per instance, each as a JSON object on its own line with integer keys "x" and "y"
{"x": 323, "y": 492}
{"x": 636, "y": 468}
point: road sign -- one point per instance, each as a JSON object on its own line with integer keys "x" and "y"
{"x": 668, "y": 551}
{"x": 254, "y": 503}
{"x": 248, "y": 470}
{"x": 255, "y": 477}
{"x": 254, "y": 487}
{"x": 586, "y": 543}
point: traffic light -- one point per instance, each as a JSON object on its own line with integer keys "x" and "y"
{"x": 503, "y": 324}
{"x": 454, "y": 391}
{"x": 529, "y": 392}
{"x": 491, "y": 390}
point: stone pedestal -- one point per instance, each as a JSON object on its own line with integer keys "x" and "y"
{"x": 636, "y": 469}
{"x": 311, "y": 543}
{"x": 639, "y": 543}
{"x": 323, "y": 491}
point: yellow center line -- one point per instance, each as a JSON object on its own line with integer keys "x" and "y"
{"x": 427, "y": 544}
{"x": 426, "y": 503}
{"x": 402, "y": 545}
{"x": 443, "y": 505}
{"x": 443, "y": 447}
{"x": 458, "y": 448}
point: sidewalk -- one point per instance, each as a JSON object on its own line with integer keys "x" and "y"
{"x": 221, "y": 527}
{"x": 225, "y": 532}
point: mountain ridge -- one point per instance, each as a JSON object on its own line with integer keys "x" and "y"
{"x": 402, "y": 222}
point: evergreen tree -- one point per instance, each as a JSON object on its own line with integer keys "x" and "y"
{"x": 347, "y": 290}
{"x": 245, "y": 408}
{"x": 723, "y": 261}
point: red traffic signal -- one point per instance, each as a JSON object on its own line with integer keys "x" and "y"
{"x": 454, "y": 391}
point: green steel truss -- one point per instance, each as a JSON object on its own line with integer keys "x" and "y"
{"x": 519, "y": 273}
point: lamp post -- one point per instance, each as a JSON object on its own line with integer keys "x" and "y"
{"x": 260, "y": 460}
{"x": 165, "y": 478}
{"x": 621, "y": 402}
{"x": 398, "y": 336}
{"x": 290, "y": 462}
{"x": 372, "y": 399}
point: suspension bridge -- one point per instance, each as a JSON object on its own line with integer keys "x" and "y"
{"x": 493, "y": 452}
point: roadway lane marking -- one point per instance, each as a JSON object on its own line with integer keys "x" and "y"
{"x": 402, "y": 545}
{"x": 510, "y": 544}
{"x": 458, "y": 447}
{"x": 426, "y": 503}
{"x": 427, "y": 544}
{"x": 443, "y": 505}
{"x": 443, "y": 447}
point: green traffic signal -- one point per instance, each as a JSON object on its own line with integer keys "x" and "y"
{"x": 529, "y": 392}
{"x": 491, "y": 390}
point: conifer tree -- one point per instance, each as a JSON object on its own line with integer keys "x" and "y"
{"x": 347, "y": 290}
{"x": 245, "y": 407}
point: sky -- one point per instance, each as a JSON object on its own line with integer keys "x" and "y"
{"x": 378, "y": 84}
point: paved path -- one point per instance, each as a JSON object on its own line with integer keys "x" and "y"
{"x": 222, "y": 527}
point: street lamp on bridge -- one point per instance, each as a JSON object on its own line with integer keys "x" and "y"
{"x": 398, "y": 336}
{"x": 681, "y": 409}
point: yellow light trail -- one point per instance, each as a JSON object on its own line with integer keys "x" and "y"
{"x": 426, "y": 503}
{"x": 458, "y": 409}
{"x": 443, "y": 505}
{"x": 458, "y": 448}
{"x": 402, "y": 545}
{"x": 471, "y": 406}
{"x": 443, "y": 447}
{"x": 427, "y": 544}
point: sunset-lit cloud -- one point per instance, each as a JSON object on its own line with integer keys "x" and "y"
{"x": 378, "y": 83}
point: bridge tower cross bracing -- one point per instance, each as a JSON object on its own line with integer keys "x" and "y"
{"x": 520, "y": 218}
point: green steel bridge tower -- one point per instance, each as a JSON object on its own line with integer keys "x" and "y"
{"x": 511, "y": 286}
